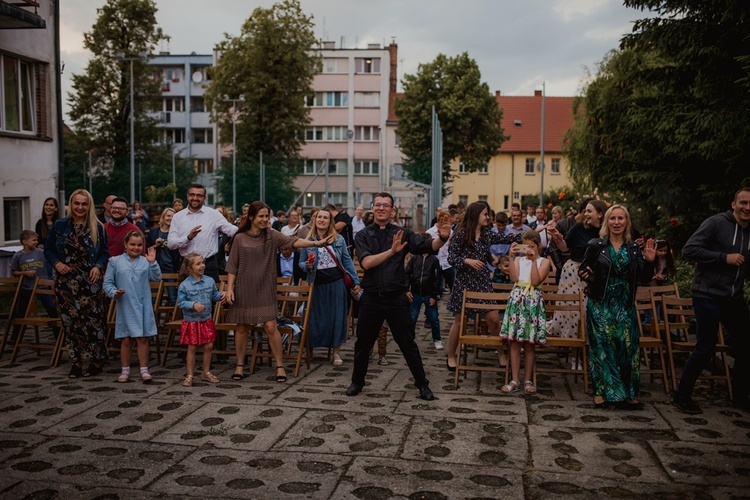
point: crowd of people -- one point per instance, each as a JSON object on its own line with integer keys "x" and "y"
{"x": 111, "y": 256}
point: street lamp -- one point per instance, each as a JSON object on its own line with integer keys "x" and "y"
{"x": 234, "y": 102}
{"x": 121, "y": 57}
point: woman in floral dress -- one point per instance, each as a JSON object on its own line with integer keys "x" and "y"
{"x": 76, "y": 248}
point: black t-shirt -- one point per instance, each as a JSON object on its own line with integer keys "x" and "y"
{"x": 577, "y": 238}
{"x": 347, "y": 231}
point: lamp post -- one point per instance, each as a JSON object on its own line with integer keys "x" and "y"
{"x": 234, "y": 102}
{"x": 121, "y": 57}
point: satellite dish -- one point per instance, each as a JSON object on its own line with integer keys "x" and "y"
{"x": 197, "y": 77}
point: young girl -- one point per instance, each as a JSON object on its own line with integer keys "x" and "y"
{"x": 127, "y": 282}
{"x": 664, "y": 272}
{"x": 195, "y": 297}
{"x": 525, "y": 323}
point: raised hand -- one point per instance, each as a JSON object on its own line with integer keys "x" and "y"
{"x": 398, "y": 245}
{"x": 649, "y": 250}
{"x": 151, "y": 254}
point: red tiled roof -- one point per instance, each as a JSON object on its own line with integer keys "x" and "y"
{"x": 558, "y": 118}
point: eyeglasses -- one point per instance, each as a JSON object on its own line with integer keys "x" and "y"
{"x": 117, "y": 209}
{"x": 381, "y": 205}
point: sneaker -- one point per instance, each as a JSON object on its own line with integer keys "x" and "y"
{"x": 382, "y": 360}
{"x": 687, "y": 405}
{"x": 438, "y": 345}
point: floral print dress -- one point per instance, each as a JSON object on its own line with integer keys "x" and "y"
{"x": 525, "y": 319}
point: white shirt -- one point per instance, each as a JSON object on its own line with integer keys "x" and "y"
{"x": 206, "y": 242}
{"x": 442, "y": 254}
{"x": 289, "y": 231}
{"x": 357, "y": 224}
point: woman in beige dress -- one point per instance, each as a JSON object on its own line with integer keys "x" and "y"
{"x": 251, "y": 282}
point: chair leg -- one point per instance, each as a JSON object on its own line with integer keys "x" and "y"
{"x": 19, "y": 341}
{"x": 663, "y": 366}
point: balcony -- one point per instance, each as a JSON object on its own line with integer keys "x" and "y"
{"x": 14, "y": 16}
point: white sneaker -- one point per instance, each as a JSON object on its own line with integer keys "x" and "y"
{"x": 438, "y": 344}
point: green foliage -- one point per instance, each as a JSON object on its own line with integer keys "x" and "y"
{"x": 100, "y": 101}
{"x": 664, "y": 122}
{"x": 468, "y": 112}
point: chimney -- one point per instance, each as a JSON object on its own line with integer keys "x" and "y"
{"x": 498, "y": 93}
{"x": 393, "y": 77}
{"x": 537, "y": 93}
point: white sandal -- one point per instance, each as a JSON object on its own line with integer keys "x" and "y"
{"x": 337, "y": 361}
{"x": 510, "y": 388}
{"x": 123, "y": 378}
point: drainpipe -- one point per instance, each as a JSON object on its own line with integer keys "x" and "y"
{"x": 58, "y": 105}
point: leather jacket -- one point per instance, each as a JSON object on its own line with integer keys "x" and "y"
{"x": 597, "y": 259}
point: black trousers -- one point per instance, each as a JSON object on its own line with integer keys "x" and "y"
{"x": 374, "y": 308}
{"x": 212, "y": 268}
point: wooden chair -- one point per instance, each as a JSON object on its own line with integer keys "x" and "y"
{"x": 283, "y": 280}
{"x": 9, "y": 287}
{"x": 32, "y": 318}
{"x": 651, "y": 343}
{"x": 163, "y": 308}
{"x": 291, "y": 297}
{"x": 496, "y": 301}
{"x": 678, "y": 315}
{"x": 567, "y": 302}
{"x": 171, "y": 329}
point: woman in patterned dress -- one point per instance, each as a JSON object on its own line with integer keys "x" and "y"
{"x": 251, "y": 282}
{"x": 76, "y": 249}
{"x": 469, "y": 253}
{"x": 612, "y": 267}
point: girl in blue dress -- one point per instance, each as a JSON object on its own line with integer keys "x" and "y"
{"x": 127, "y": 282}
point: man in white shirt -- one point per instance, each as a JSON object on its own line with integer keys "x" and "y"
{"x": 197, "y": 230}
{"x": 357, "y": 222}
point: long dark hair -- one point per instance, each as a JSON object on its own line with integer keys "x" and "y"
{"x": 252, "y": 211}
{"x": 43, "y": 232}
{"x": 470, "y": 223}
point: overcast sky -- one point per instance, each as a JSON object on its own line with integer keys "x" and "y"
{"x": 518, "y": 44}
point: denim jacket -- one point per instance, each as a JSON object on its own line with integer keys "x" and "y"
{"x": 192, "y": 291}
{"x": 54, "y": 247}
{"x": 341, "y": 253}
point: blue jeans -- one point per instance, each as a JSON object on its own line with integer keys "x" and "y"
{"x": 735, "y": 317}
{"x": 431, "y": 311}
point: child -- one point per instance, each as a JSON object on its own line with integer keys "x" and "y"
{"x": 502, "y": 270}
{"x": 28, "y": 264}
{"x": 195, "y": 297}
{"x": 423, "y": 273}
{"x": 525, "y": 322}
{"x": 664, "y": 272}
{"x": 127, "y": 282}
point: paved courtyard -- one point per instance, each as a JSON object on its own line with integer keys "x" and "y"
{"x": 94, "y": 438}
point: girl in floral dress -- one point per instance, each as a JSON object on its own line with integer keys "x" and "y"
{"x": 525, "y": 322}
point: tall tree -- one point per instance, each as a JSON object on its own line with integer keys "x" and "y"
{"x": 271, "y": 66}
{"x": 468, "y": 112}
{"x": 664, "y": 122}
{"x": 100, "y": 101}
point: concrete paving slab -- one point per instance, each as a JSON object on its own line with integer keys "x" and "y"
{"x": 222, "y": 473}
{"x": 380, "y": 478}
{"x": 591, "y": 454}
{"x": 243, "y": 427}
{"x": 39, "y": 489}
{"x": 717, "y": 424}
{"x": 449, "y": 441}
{"x": 346, "y": 433}
{"x": 227, "y": 391}
{"x": 704, "y": 463}
{"x": 40, "y": 410}
{"x": 328, "y": 398}
{"x": 130, "y": 420}
{"x": 466, "y": 406}
{"x": 583, "y": 415}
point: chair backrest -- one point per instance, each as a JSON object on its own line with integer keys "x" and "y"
{"x": 677, "y": 314}
{"x": 291, "y": 297}
{"x": 284, "y": 280}
{"x": 10, "y": 286}
{"x": 655, "y": 294}
{"x": 566, "y": 302}
{"x": 643, "y": 304}
{"x": 157, "y": 294}
{"x": 482, "y": 302}
{"x": 502, "y": 287}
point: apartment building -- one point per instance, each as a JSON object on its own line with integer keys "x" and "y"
{"x": 29, "y": 135}
{"x": 514, "y": 171}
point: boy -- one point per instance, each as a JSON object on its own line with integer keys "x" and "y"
{"x": 423, "y": 273}
{"x": 28, "y": 264}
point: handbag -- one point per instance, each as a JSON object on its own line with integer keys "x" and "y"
{"x": 348, "y": 281}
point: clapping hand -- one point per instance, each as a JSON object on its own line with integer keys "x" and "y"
{"x": 398, "y": 245}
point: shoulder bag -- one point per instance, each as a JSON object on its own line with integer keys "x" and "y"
{"x": 348, "y": 281}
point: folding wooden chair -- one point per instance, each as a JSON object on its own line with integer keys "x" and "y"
{"x": 157, "y": 294}
{"x": 678, "y": 315}
{"x": 572, "y": 302}
{"x": 171, "y": 329}
{"x": 42, "y": 287}
{"x": 283, "y": 280}
{"x": 9, "y": 289}
{"x": 163, "y": 309}
{"x": 476, "y": 301}
{"x": 291, "y": 298}
{"x": 650, "y": 339}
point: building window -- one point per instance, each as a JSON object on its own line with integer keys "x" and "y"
{"x": 328, "y": 100}
{"x": 506, "y": 202}
{"x": 335, "y": 65}
{"x": 17, "y": 111}
{"x": 317, "y": 166}
{"x": 205, "y": 166}
{"x": 463, "y": 198}
{"x": 462, "y": 169}
{"x": 555, "y": 166}
{"x": 515, "y": 195}
{"x": 367, "y": 65}
{"x": 176, "y": 104}
{"x": 319, "y": 199}
{"x": 482, "y": 197}
{"x": 397, "y": 140}
{"x": 367, "y": 99}
{"x": 367, "y": 167}
{"x": 197, "y": 105}
{"x": 484, "y": 169}
{"x": 174, "y": 135}
{"x": 202, "y": 135}
{"x": 314, "y": 134}
{"x": 366, "y": 133}
{"x": 173, "y": 74}
{"x": 530, "y": 166}
{"x": 13, "y": 217}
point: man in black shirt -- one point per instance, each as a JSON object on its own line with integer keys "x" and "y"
{"x": 381, "y": 250}
{"x": 343, "y": 223}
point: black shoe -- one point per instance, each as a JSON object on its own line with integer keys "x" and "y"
{"x": 425, "y": 393}
{"x": 601, "y": 406}
{"x": 354, "y": 389}
{"x": 629, "y": 405}
{"x": 93, "y": 370}
{"x": 451, "y": 369}
{"x": 687, "y": 405}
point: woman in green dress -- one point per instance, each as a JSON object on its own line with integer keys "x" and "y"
{"x": 612, "y": 267}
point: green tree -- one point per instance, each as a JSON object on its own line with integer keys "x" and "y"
{"x": 271, "y": 66}
{"x": 100, "y": 101}
{"x": 664, "y": 121}
{"x": 468, "y": 112}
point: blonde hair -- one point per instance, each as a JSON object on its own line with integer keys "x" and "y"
{"x": 604, "y": 231}
{"x": 314, "y": 229}
{"x": 163, "y": 213}
{"x": 187, "y": 264}
{"x": 91, "y": 221}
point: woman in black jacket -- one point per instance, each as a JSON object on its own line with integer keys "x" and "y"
{"x": 612, "y": 267}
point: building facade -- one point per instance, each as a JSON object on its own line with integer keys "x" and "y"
{"x": 29, "y": 139}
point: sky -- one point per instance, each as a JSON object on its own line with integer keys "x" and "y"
{"x": 518, "y": 44}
